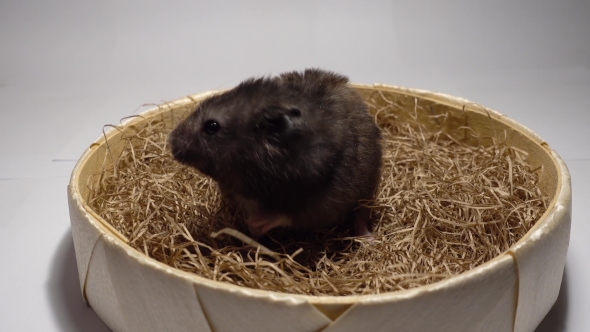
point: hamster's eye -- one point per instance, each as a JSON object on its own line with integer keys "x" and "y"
{"x": 211, "y": 127}
{"x": 294, "y": 112}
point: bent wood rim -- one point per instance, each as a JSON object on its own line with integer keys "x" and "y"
{"x": 114, "y": 236}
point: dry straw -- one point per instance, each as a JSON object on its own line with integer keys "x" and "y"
{"x": 443, "y": 207}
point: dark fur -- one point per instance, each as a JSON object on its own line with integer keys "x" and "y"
{"x": 314, "y": 167}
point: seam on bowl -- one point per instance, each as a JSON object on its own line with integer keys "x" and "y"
{"x": 207, "y": 319}
{"x": 88, "y": 268}
{"x": 517, "y": 288}
{"x": 333, "y": 322}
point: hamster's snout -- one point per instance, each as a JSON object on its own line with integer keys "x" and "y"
{"x": 186, "y": 149}
{"x": 179, "y": 146}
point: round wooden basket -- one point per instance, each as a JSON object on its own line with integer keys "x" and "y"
{"x": 512, "y": 292}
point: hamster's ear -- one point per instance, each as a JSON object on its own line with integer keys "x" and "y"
{"x": 279, "y": 120}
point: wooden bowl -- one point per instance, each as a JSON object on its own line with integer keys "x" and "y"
{"x": 512, "y": 292}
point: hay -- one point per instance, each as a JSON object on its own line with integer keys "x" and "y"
{"x": 443, "y": 207}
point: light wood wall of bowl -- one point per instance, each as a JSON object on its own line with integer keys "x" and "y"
{"x": 513, "y": 292}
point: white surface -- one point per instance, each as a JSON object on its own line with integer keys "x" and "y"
{"x": 68, "y": 68}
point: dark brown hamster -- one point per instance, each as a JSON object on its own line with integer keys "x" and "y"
{"x": 298, "y": 149}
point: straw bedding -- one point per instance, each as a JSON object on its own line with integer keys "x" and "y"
{"x": 444, "y": 206}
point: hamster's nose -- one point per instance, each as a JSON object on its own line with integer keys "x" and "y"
{"x": 177, "y": 146}
{"x": 177, "y": 152}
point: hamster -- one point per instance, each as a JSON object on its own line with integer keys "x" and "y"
{"x": 294, "y": 150}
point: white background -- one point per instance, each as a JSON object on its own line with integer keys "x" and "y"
{"x": 67, "y": 68}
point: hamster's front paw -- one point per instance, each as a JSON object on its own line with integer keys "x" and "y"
{"x": 261, "y": 223}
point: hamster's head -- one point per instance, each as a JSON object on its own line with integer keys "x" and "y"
{"x": 197, "y": 140}
{"x": 250, "y": 129}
